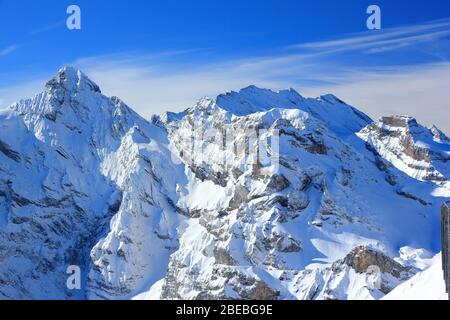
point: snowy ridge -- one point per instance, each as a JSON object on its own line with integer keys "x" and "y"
{"x": 346, "y": 119}
{"x": 170, "y": 209}
{"x": 420, "y": 152}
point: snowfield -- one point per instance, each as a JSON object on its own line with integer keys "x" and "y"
{"x": 426, "y": 285}
{"x": 254, "y": 194}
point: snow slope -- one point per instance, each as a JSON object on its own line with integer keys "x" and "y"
{"x": 426, "y": 285}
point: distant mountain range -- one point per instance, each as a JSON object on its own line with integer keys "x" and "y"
{"x": 255, "y": 194}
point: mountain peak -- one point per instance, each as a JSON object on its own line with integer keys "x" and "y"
{"x": 331, "y": 98}
{"x": 399, "y": 121}
{"x": 439, "y": 135}
{"x": 255, "y": 90}
{"x": 251, "y": 87}
{"x": 420, "y": 152}
{"x": 410, "y": 125}
{"x": 253, "y": 99}
{"x": 72, "y": 79}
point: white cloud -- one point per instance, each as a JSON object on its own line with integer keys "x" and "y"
{"x": 384, "y": 40}
{"x": 47, "y": 27}
{"x": 154, "y": 88}
{"x": 7, "y": 50}
{"x": 421, "y": 92}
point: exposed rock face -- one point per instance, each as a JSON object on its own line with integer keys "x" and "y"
{"x": 380, "y": 273}
{"x": 278, "y": 183}
{"x": 420, "y": 152}
{"x": 361, "y": 258}
{"x": 365, "y": 260}
{"x": 253, "y": 195}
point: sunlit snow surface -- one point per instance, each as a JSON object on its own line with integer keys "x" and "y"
{"x": 426, "y": 285}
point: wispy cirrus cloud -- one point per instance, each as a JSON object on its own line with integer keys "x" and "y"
{"x": 47, "y": 28}
{"x": 8, "y": 50}
{"x": 390, "y": 38}
{"x": 420, "y": 91}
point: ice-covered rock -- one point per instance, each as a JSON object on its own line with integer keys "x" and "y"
{"x": 420, "y": 152}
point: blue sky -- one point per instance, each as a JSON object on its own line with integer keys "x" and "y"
{"x": 160, "y": 55}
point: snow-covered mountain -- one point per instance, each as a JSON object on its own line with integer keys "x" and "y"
{"x": 255, "y": 194}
